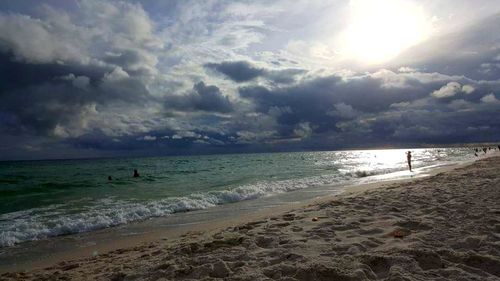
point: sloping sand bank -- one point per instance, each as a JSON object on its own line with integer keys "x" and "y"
{"x": 444, "y": 227}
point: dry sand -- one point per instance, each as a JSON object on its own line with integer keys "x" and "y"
{"x": 444, "y": 227}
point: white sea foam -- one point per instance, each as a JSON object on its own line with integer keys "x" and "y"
{"x": 55, "y": 220}
{"x": 48, "y": 222}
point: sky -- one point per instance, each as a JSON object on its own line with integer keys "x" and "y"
{"x": 102, "y": 78}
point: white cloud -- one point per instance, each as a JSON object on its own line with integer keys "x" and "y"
{"x": 80, "y": 82}
{"x": 148, "y": 138}
{"x": 89, "y": 35}
{"x": 490, "y": 99}
{"x": 186, "y": 134}
{"x": 61, "y": 132}
{"x": 406, "y": 69}
{"x": 303, "y": 130}
{"x": 343, "y": 110}
{"x": 37, "y": 41}
{"x": 447, "y": 90}
{"x": 468, "y": 89}
{"x": 117, "y": 74}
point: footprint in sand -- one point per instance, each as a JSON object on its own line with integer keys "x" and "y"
{"x": 379, "y": 265}
{"x": 427, "y": 259}
{"x": 264, "y": 241}
{"x": 289, "y": 217}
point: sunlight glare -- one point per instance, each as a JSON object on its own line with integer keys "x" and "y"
{"x": 379, "y": 30}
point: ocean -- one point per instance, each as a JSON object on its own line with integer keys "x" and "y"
{"x": 40, "y": 199}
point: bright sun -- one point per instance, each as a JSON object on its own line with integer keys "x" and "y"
{"x": 378, "y": 30}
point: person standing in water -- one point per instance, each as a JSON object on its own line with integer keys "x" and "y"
{"x": 408, "y": 158}
{"x": 136, "y": 174}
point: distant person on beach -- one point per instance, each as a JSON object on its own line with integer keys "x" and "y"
{"x": 408, "y": 157}
{"x": 136, "y": 174}
{"x": 484, "y": 149}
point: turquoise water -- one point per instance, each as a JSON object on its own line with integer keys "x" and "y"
{"x": 40, "y": 199}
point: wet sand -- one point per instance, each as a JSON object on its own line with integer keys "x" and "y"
{"x": 443, "y": 227}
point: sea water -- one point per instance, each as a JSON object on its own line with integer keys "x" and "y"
{"x": 40, "y": 199}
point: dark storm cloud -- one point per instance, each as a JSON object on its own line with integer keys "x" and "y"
{"x": 40, "y": 109}
{"x": 36, "y": 98}
{"x": 314, "y": 100}
{"x": 202, "y": 97}
{"x": 242, "y": 71}
{"x": 15, "y": 74}
{"x": 155, "y": 142}
{"x": 439, "y": 125}
{"x": 238, "y": 71}
{"x": 374, "y": 107}
{"x": 77, "y": 68}
{"x": 110, "y": 76}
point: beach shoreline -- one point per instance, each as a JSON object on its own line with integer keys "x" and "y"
{"x": 201, "y": 232}
{"x": 49, "y": 251}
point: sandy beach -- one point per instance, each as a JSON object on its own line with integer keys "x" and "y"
{"x": 443, "y": 227}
